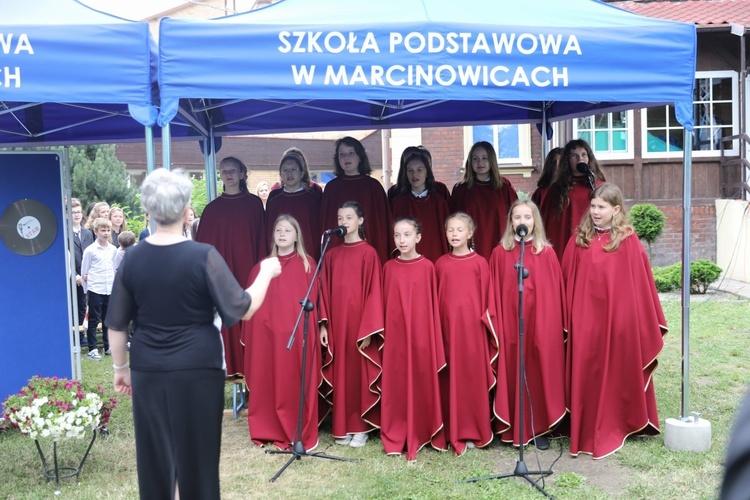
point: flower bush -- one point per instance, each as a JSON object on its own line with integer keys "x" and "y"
{"x": 58, "y": 408}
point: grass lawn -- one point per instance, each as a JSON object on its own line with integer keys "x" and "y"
{"x": 644, "y": 468}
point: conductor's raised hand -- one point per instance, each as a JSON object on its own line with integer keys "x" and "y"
{"x": 271, "y": 266}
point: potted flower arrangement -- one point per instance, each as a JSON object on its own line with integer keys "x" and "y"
{"x": 59, "y": 409}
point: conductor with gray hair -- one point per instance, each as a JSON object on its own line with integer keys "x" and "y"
{"x": 175, "y": 372}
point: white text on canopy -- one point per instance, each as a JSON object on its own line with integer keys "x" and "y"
{"x": 451, "y": 43}
{"x": 11, "y": 45}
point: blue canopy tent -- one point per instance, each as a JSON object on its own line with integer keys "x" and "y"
{"x": 355, "y": 64}
{"x": 68, "y": 75}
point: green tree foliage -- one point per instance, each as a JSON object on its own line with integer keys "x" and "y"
{"x": 200, "y": 195}
{"x": 97, "y": 175}
{"x": 648, "y": 222}
{"x": 702, "y": 274}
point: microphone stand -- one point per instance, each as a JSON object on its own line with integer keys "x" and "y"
{"x": 521, "y": 469}
{"x": 298, "y": 449}
{"x": 585, "y": 170}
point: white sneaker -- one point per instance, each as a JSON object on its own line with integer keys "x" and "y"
{"x": 108, "y": 352}
{"x": 470, "y": 445}
{"x": 344, "y": 441}
{"x": 359, "y": 440}
{"x": 94, "y": 354}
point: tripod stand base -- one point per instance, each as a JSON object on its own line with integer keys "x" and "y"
{"x": 297, "y": 452}
{"x": 520, "y": 471}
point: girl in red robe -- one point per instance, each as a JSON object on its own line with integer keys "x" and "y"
{"x": 543, "y": 311}
{"x": 412, "y": 351}
{"x": 235, "y": 223}
{"x": 418, "y": 198}
{"x": 351, "y": 329}
{"x": 468, "y": 323}
{"x": 272, "y": 372}
{"x": 615, "y": 330}
{"x": 297, "y": 198}
{"x": 549, "y": 174}
{"x": 485, "y": 196}
{"x": 566, "y": 200}
{"x": 353, "y": 182}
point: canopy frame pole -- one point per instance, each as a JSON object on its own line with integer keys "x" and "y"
{"x": 150, "y": 158}
{"x": 687, "y": 183}
{"x": 166, "y": 144}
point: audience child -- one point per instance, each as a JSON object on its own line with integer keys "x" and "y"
{"x": 99, "y": 209}
{"x": 297, "y": 198}
{"x": 412, "y": 350}
{"x": 98, "y": 275}
{"x": 187, "y": 225}
{"x": 418, "y": 198}
{"x": 485, "y": 195}
{"x": 353, "y": 182}
{"x": 544, "y": 343}
{"x": 566, "y": 200}
{"x": 119, "y": 224}
{"x": 82, "y": 238}
{"x": 351, "y": 330}
{"x": 470, "y": 338}
{"x": 126, "y": 239}
{"x": 615, "y": 329}
{"x": 272, "y": 372}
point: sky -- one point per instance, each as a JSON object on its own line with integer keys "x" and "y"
{"x": 132, "y": 9}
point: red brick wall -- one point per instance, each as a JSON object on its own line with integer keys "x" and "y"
{"x": 667, "y": 249}
{"x": 446, "y": 144}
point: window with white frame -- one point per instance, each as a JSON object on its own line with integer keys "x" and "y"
{"x": 610, "y": 135}
{"x": 714, "y": 116}
{"x": 512, "y": 142}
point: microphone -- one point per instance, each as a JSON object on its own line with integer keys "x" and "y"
{"x": 338, "y": 231}
{"x": 522, "y": 230}
{"x": 584, "y": 169}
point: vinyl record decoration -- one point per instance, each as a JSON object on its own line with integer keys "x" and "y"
{"x": 28, "y": 227}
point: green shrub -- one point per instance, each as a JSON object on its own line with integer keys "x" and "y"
{"x": 702, "y": 274}
{"x": 648, "y": 222}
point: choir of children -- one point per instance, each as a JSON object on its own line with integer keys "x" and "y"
{"x": 422, "y": 343}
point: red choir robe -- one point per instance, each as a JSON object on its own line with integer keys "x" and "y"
{"x": 615, "y": 332}
{"x": 272, "y": 372}
{"x": 440, "y": 188}
{"x": 559, "y": 226}
{"x": 431, "y": 212}
{"x": 351, "y": 302}
{"x": 538, "y": 195}
{"x": 303, "y": 205}
{"x": 489, "y": 209}
{"x": 544, "y": 342}
{"x": 413, "y": 356}
{"x": 471, "y": 348}
{"x": 235, "y": 225}
{"x": 370, "y": 194}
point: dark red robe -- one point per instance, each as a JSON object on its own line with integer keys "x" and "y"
{"x": 615, "y": 330}
{"x": 471, "y": 347}
{"x": 277, "y": 189}
{"x": 489, "y": 209}
{"x": 235, "y": 225}
{"x": 538, "y": 195}
{"x": 351, "y": 302}
{"x": 440, "y": 188}
{"x": 370, "y": 194}
{"x": 304, "y": 206}
{"x": 272, "y": 372}
{"x": 431, "y": 212}
{"x": 544, "y": 342}
{"x": 412, "y": 357}
{"x": 559, "y": 226}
